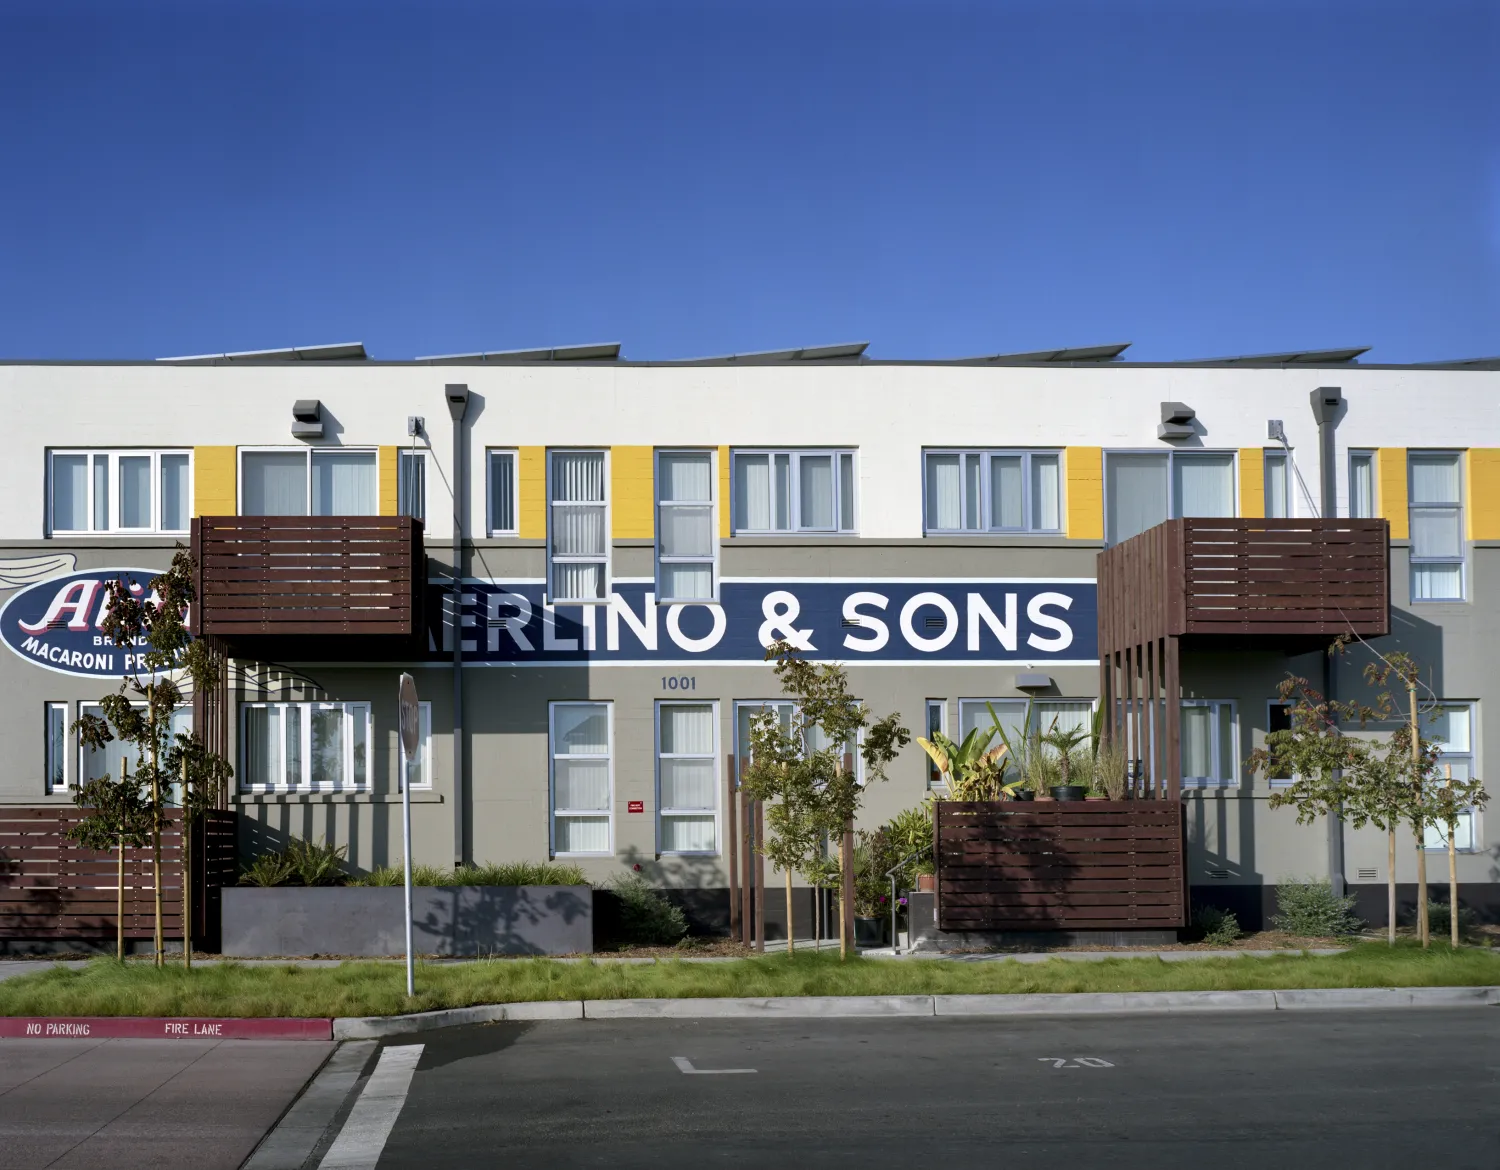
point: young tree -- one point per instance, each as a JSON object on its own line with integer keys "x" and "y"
{"x": 203, "y": 784}
{"x": 118, "y": 818}
{"x": 788, "y": 790}
{"x": 824, "y": 793}
{"x": 1311, "y": 751}
{"x": 1448, "y": 802}
{"x": 154, "y": 629}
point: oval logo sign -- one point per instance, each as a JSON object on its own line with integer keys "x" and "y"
{"x": 55, "y": 623}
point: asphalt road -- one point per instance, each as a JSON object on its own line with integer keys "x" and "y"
{"x": 1286, "y": 1090}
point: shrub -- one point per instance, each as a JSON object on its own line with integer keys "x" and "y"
{"x": 268, "y": 869}
{"x": 1311, "y": 909}
{"x": 647, "y": 918}
{"x": 301, "y": 863}
{"x": 1216, "y": 926}
{"x": 910, "y": 831}
{"x": 1437, "y": 919}
{"x": 512, "y": 873}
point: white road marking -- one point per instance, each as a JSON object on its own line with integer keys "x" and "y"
{"x": 685, "y": 1065}
{"x": 369, "y": 1125}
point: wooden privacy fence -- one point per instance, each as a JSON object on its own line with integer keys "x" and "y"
{"x": 1060, "y": 865}
{"x": 51, "y": 888}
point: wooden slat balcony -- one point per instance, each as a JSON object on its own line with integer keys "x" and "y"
{"x": 1289, "y": 580}
{"x": 328, "y": 579}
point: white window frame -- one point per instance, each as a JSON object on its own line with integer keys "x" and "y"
{"x": 1038, "y": 707}
{"x": 1372, "y": 507}
{"x": 79, "y": 751}
{"x": 113, "y": 456}
{"x": 423, "y": 761}
{"x": 553, "y": 505}
{"x": 794, "y": 489}
{"x": 662, "y": 812}
{"x": 51, "y": 752}
{"x": 553, "y": 812}
{"x": 512, "y": 456}
{"x": 406, "y": 457}
{"x": 1270, "y": 458}
{"x": 1435, "y": 837}
{"x": 986, "y": 520}
{"x": 307, "y": 453}
{"x": 938, "y": 708}
{"x": 742, "y": 750}
{"x": 352, "y": 710}
{"x": 1215, "y": 745}
{"x": 1174, "y": 505}
{"x": 713, "y": 479}
{"x": 1463, "y": 553}
{"x": 1271, "y": 705}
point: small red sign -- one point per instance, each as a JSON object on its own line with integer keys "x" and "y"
{"x": 636, "y": 806}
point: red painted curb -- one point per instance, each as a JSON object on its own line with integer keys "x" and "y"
{"x": 172, "y": 1028}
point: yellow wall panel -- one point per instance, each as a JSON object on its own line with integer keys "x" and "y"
{"x": 724, "y": 519}
{"x": 214, "y": 481}
{"x": 632, "y": 492}
{"x": 1085, "y": 471}
{"x": 1392, "y": 502}
{"x": 531, "y": 493}
{"x": 1252, "y": 482}
{"x": 1483, "y": 497}
{"x": 390, "y": 487}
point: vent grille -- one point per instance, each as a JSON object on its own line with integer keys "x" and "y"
{"x": 1218, "y": 874}
{"x": 936, "y": 623}
{"x": 1369, "y": 875}
{"x": 852, "y": 623}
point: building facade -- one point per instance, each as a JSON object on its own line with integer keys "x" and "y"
{"x": 629, "y": 537}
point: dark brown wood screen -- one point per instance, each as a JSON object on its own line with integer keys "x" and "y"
{"x": 280, "y": 575}
{"x": 51, "y": 888}
{"x": 1060, "y": 865}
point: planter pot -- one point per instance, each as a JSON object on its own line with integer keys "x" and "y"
{"x": 926, "y": 883}
{"x": 1069, "y": 792}
{"x": 870, "y": 932}
{"x": 1026, "y": 794}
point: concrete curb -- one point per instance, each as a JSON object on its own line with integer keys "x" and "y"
{"x": 891, "y": 1006}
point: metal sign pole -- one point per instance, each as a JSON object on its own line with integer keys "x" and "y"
{"x": 406, "y": 850}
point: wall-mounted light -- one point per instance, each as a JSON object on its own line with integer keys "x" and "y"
{"x": 1176, "y": 421}
{"x": 307, "y": 419}
{"x": 1033, "y": 681}
{"x": 414, "y": 425}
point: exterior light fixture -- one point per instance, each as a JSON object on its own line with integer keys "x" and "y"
{"x": 307, "y": 419}
{"x": 1176, "y": 421}
{"x": 1033, "y": 681}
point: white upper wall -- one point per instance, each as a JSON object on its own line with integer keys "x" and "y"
{"x": 888, "y": 412}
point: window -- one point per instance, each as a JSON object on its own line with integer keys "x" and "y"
{"x": 687, "y": 777}
{"x": 1451, "y": 725}
{"x": 687, "y": 541}
{"x": 502, "y": 492}
{"x": 411, "y": 482}
{"x": 118, "y": 491}
{"x": 937, "y": 722}
{"x": 1279, "y": 718}
{"x": 421, "y": 764}
{"x": 1066, "y": 714}
{"x": 321, "y": 747}
{"x": 1144, "y": 490}
{"x": 746, "y": 712}
{"x": 1437, "y": 527}
{"x": 1209, "y": 742}
{"x": 112, "y": 758}
{"x": 1278, "y": 493}
{"x": 283, "y": 482}
{"x": 578, "y": 531}
{"x": 793, "y": 491}
{"x": 992, "y": 491}
{"x": 1361, "y": 483}
{"x": 56, "y": 733}
{"x": 581, "y": 737}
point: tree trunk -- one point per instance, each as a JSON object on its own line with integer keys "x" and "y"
{"x": 1424, "y": 927}
{"x": 846, "y": 888}
{"x": 120, "y": 905}
{"x": 187, "y": 874}
{"x": 1390, "y": 885}
{"x": 791, "y": 935}
{"x": 156, "y": 837}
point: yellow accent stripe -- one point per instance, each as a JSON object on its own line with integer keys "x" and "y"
{"x": 1483, "y": 498}
{"x": 531, "y": 493}
{"x": 214, "y": 481}
{"x": 1085, "y": 470}
{"x": 632, "y": 492}
{"x": 1252, "y": 482}
{"x": 1392, "y": 471}
{"x": 724, "y": 518}
{"x": 390, "y": 487}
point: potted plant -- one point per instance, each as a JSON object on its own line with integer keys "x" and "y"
{"x": 1064, "y": 743}
{"x": 972, "y": 769}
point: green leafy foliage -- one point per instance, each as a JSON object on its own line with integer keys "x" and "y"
{"x": 910, "y": 831}
{"x": 512, "y": 873}
{"x": 269, "y": 869}
{"x": 647, "y": 917}
{"x": 301, "y": 863}
{"x": 1440, "y": 924}
{"x": 1215, "y": 926}
{"x": 1312, "y": 910}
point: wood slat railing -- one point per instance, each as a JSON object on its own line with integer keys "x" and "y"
{"x": 1060, "y": 865}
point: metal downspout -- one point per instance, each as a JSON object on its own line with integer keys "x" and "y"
{"x": 1326, "y": 404}
{"x": 458, "y": 405}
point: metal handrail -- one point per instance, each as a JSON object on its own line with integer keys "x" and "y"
{"x": 891, "y": 873}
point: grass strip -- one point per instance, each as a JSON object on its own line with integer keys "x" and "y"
{"x": 106, "y": 988}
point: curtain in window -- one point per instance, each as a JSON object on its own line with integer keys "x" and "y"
{"x": 687, "y": 582}
{"x": 687, "y": 731}
{"x": 581, "y": 730}
{"x": 291, "y": 758}
{"x": 1276, "y": 485}
{"x": 578, "y": 477}
{"x": 686, "y": 478}
{"x": 1204, "y": 484}
{"x": 70, "y": 493}
{"x": 1434, "y": 479}
{"x": 973, "y": 713}
{"x": 581, "y": 784}
{"x": 686, "y": 527}
{"x": 944, "y": 493}
{"x": 688, "y": 783}
{"x": 1136, "y": 491}
{"x": 413, "y": 485}
{"x": 175, "y": 493}
{"x": 846, "y": 492}
{"x": 747, "y": 713}
{"x": 687, "y": 530}
{"x": 135, "y": 490}
{"x": 1437, "y": 582}
{"x": 1007, "y": 492}
{"x": 328, "y": 746}
{"x": 1198, "y": 743}
{"x": 502, "y": 491}
{"x": 582, "y": 834}
{"x": 752, "y": 492}
{"x": 688, "y": 834}
{"x": 1361, "y": 485}
{"x": 578, "y": 532}
{"x": 344, "y": 483}
{"x": 1436, "y": 532}
{"x": 275, "y": 483}
{"x": 262, "y": 737}
{"x": 1045, "y": 494}
{"x": 1065, "y": 716}
{"x": 815, "y": 491}
{"x": 578, "y": 581}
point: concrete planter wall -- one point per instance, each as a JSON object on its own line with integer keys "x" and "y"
{"x": 446, "y": 920}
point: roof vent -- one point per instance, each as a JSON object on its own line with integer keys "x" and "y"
{"x": 307, "y": 419}
{"x": 1176, "y": 421}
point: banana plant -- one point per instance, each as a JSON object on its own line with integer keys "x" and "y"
{"x": 972, "y": 768}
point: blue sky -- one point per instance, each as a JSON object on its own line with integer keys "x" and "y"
{"x": 1201, "y": 178}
